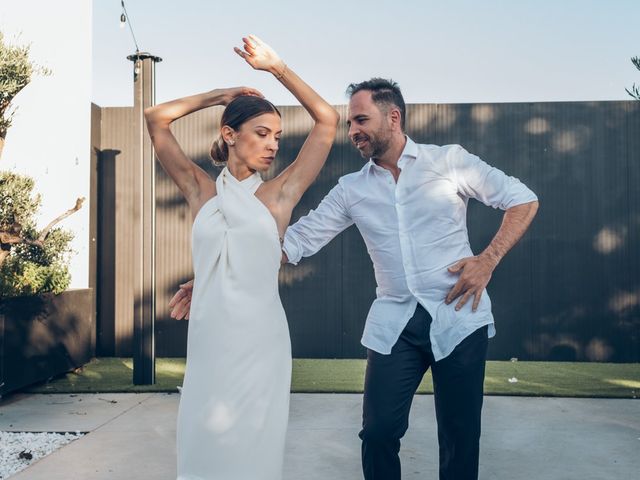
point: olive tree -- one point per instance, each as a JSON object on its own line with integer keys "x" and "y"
{"x": 16, "y": 71}
{"x": 32, "y": 261}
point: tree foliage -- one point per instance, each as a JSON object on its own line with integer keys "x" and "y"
{"x": 16, "y": 71}
{"x": 31, "y": 262}
{"x": 635, "y": 90}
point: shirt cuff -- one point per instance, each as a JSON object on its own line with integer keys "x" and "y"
{"x": 292, "y": 251}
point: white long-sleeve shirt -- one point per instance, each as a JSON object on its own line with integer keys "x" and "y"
{"x": 414, "y": 230}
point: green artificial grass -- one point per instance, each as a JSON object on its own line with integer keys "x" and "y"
{"x": 553, "y": 379}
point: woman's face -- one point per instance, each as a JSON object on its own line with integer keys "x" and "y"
{"x": 257, "y": 141}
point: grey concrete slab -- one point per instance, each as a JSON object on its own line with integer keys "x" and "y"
{"x": 322, "y": 439}
{"x": 559, "y": 438}
{"x": 64, "y": 412}
{"x": 523, "y": 438}
{"x": 139, "y": 443}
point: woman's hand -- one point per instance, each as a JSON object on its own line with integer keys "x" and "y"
{"x": 226, "y": 95}
{"x": 260, "y": 55}
{"x": 296, "y": 178}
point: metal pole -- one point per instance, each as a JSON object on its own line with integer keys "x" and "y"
{"x": 144, "y": 228}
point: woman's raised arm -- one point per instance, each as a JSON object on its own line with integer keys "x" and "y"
{"x": 298, "y": 176}
{"x": 196, "y": 184}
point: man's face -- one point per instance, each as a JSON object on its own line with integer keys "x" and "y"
{"x": 369, "y": 126}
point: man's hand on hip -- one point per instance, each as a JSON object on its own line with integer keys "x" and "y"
{"x": 475, "y": 273}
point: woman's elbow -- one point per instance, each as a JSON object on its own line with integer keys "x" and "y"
{"x": 335, "y": 117}
{"x": 149, "y": 114}
{"x": 154, "y": 117}
{"x": 330, "y": 117}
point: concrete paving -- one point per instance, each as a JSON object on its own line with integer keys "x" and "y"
{"x": 133, "y": 436}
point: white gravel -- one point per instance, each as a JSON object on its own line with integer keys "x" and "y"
{"x": 18, "y": 450}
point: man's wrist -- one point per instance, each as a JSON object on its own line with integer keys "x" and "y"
{"x": 492, "y": 258}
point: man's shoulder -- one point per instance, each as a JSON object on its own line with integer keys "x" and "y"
{"x": 438, "y": 151}
{"x": 350, "y": 178}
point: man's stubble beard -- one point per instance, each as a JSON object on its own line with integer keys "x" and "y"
{"x": 378, "y": 145}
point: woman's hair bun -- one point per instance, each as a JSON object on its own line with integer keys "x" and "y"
{"x": 219, "y": 152}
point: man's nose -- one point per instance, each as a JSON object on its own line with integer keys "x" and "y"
{"x": 353, "y": 130}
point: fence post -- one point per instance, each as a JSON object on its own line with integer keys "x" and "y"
{"x": 144, "y": 227}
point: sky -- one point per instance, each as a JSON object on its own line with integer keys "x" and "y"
{"x": 456, "y": 51}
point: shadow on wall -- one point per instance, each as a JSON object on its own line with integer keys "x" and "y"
{"x": 568, "y": 291}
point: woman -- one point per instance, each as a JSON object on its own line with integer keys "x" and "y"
{"x": 234, "y": 405}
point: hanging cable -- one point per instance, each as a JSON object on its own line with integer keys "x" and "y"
{"x": 124, "y": 18}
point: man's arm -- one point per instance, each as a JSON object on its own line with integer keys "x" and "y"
{"x": 180, "y": 303}
{"x": 313, "y": 231}
{"x": 494, "y": 188}
{"x": 476, "y": 271}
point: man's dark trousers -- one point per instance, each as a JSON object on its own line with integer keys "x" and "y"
{"x": 390, "y": 384}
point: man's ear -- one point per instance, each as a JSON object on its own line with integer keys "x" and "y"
{"x": 396, "y": 118}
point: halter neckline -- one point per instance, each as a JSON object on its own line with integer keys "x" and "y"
{"x": 252, "y": 182}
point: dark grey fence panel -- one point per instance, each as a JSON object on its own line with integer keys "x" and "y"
{"x": 115, "y": 255}
{"x": 570, "y": 290}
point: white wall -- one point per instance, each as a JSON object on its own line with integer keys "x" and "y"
{"x": 50, "y": 136}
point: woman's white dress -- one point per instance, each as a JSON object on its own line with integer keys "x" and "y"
{"x": 234, "y": 406}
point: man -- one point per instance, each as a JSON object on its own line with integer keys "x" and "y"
{"x": 409, "y": 203}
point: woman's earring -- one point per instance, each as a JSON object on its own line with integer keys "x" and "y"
{"x": 231, "y": 142}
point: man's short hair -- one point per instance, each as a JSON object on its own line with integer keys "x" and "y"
{"x": 383, "y": 93}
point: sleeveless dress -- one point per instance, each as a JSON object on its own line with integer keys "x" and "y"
{"x": 234, "y": 405}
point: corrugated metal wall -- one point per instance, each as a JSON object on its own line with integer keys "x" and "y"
{"x": 116, "y": 193}
{"x": 569, "y": 291}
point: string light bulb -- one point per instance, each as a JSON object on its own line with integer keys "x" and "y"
{"x": 123, "y": 20}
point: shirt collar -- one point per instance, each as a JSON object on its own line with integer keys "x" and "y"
{"x": 410, "y": 150}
